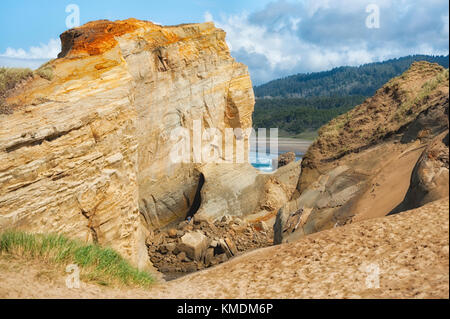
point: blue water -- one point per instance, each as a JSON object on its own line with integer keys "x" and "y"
{"x": 263, "y": 161}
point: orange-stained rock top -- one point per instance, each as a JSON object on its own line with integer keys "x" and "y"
{"x": 95, "y": 37}
{"x": 85, "y": 52}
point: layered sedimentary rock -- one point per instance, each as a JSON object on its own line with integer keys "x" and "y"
{"x": 360, "y": 166}
{"x": 87, "y": 150}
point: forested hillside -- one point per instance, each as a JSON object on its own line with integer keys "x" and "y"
{"x": 293, "y": 116}
{"x": 304, "y": 102}
{"x": 342, "y": 81}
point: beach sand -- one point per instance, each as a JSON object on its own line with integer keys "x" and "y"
{"x": 286, "y": 144}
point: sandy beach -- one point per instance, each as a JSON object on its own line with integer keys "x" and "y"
{"x": 286, "y": 144}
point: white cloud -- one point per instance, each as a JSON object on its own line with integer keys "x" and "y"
{"x": 208, "y": 17}
{"x": 315, "y": 35}
{"x": 445, "y": 26}
{"x": 255, "y": 39}
{"x": 21, "y": 63}
{"x": 33, "y": 57}
{"x": 294, "y": 23}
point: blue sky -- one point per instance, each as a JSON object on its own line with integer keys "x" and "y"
{"x": 274, "y": 38}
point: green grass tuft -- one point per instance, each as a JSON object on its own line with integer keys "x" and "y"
{"x": 101, "y": 265}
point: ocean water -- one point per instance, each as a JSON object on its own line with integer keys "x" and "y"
{"x": 263, "y": 161}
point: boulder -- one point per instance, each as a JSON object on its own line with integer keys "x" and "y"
{"x": 193, "y": 244}
{"x": 242, "y": 191}
{"x": 228, "y": 247}
{"x": 209, "y": 255}
{"x": 214, "y": 243}
{"x": 224, "y": 248}
{"x": 172, "y": 233}
{"x": 231, "y": 246}
{"x": 163, "y": 249}
{"x": 170, "y": 247}
{"x": 181, "y": 256}
{"x": 226, "y": 219}
{"x": 285, "y": 159}
{"x": 261, "y": 226}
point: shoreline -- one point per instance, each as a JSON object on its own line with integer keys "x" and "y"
{"x": 288, "y": 144}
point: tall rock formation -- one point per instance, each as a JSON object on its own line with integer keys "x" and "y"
{"x": 363, "y": 162}
{"x": 86, "y": 150}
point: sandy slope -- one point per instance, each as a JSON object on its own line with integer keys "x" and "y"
{"x": 410, "y": 250}
{"x": 389, "y": 184}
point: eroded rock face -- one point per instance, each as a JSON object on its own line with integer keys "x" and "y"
{"x": 410, "y": 105}
{"x": 285, "y": 158}
{"x": 430, "y": 177}
{"x": 361, "y": 164}
{"x": 241, "y": 191}
{"x": 87, "y": 153}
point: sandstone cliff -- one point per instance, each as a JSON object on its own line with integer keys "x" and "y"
{"x": 361, "y": 164}
{"x": 86, "y": 149}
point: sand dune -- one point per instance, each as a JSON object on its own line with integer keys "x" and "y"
{"x": 410, "y": 252}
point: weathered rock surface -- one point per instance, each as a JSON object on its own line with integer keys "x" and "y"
{"x": 406, "y": 105}
{"x": 430, "y": 177}
{"x": 361, "y": 164}
{"x": 240, "y": 190}
{"x": 285, "y": 159}
{"x": 87, "y": 152}
{"x": 194, "y": 244}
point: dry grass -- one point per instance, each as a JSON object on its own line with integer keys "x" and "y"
{"x": 45, "y": 71}
{"x": 407, "y": 109}
{"x": 10, "y": 77}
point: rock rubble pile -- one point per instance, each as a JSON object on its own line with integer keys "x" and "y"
{"x": 194, "y": 245}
